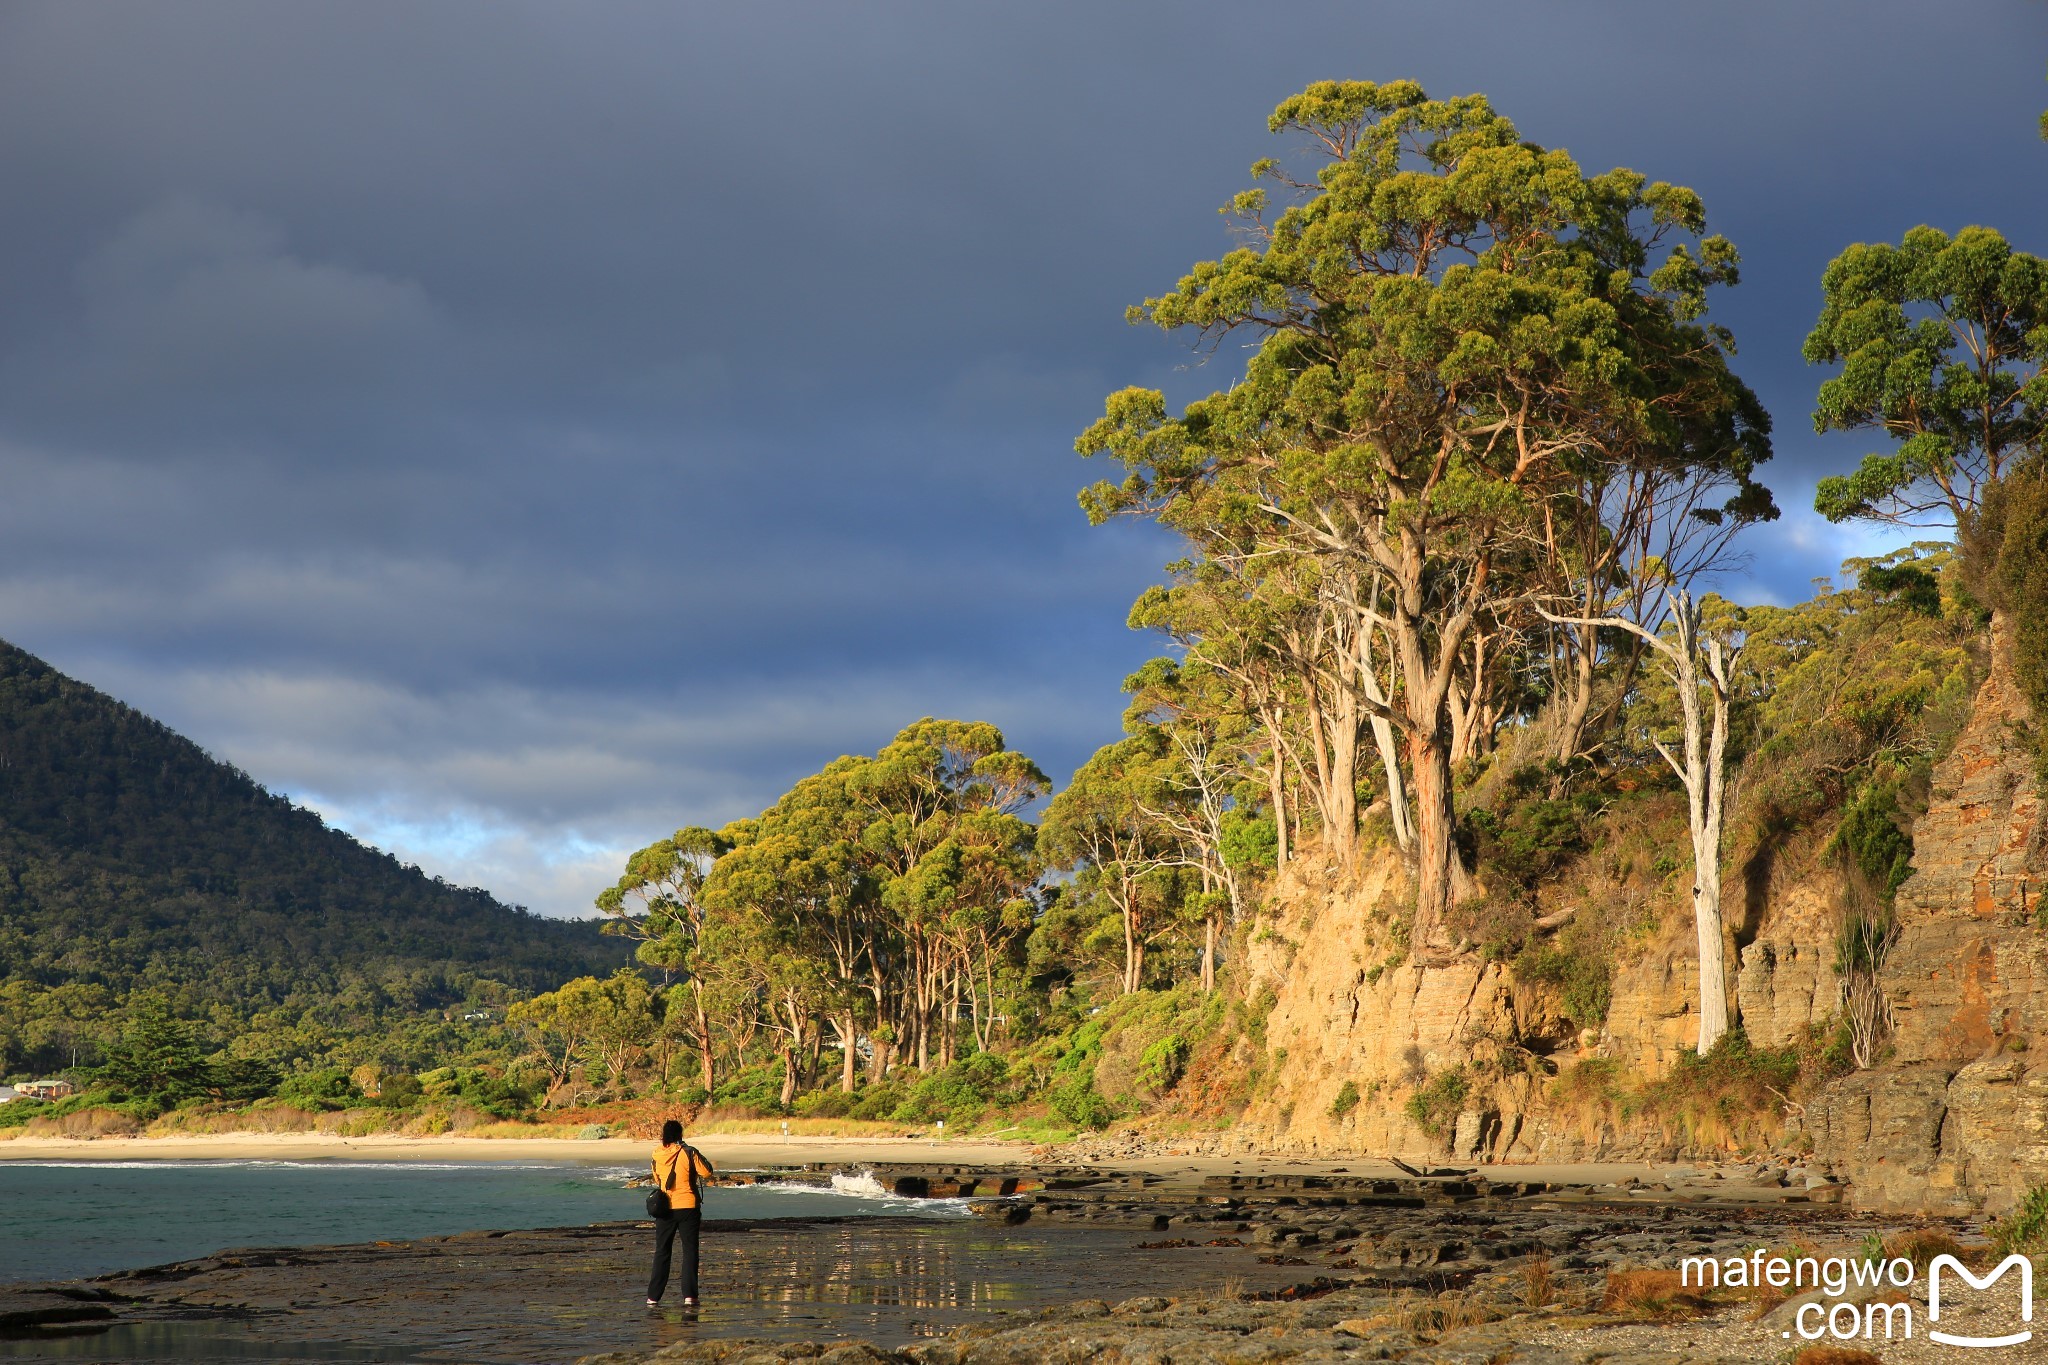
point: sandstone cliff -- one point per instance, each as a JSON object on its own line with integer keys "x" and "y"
{"x": 1956, "y": 1118}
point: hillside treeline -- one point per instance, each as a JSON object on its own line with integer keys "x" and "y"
{"x": 134, "y": 865}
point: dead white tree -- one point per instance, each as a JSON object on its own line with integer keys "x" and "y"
{"x": 1697, "y": 661}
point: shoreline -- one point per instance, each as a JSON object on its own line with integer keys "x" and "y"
{"x": 756, "y": 1150}
{"x": 724, "y": 1149}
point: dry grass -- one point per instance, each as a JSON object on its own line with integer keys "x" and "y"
{"x": 1835, "y": 1355}
{"x": 261, "y": 1118}
{"x": 1922, "y": 1245}
{"x": 1538, "y": 1289}
{"x": 1660, "y": 1294}
{"x": 85, "y": 1123}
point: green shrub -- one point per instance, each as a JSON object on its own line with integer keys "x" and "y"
{"x": 1436, "y": 1105}
{"x": 960, "y": 1093}
{"x": 757, "y": 1087}
{"x": 1162, "y": 1064}
{"x": 1346, "y": 1101}
{"x": 1250, "y": 841}
{"x": 2025, "y": 1228}
{"x": 327, "y": 1088}
{"x": 1733, "y": 1096}
{"x": 826, "y": 1104}
{"x": 478, "y": 1087}
{"x": 15, "y": 1113}
{"x": 1075, "y": 1100}
{"x": 1585, "y": 982}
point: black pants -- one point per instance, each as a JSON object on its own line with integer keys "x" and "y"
{"x": 681, "y": 1225}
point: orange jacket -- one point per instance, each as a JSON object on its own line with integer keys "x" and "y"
{"x": 672, "y": 1175}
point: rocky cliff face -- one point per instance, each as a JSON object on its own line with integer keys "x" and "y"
{"x": 1350, "y": 1007}
{"x": 1957, "y": 1119}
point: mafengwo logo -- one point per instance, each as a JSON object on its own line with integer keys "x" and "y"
{"x": 2014, "y": 1261}
{"x": 1857, "y": 1315}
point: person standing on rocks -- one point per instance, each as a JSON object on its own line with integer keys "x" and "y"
{"x": 679, "y": 1173}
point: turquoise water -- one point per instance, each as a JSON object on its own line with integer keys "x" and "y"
{"x": 62, "y": 1220}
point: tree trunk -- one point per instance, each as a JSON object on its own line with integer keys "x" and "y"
{"x": 1132, "y": 950}
{"x": 788, "y": 1073}
{"x": 1277, "y": 782}
{"x": 705, "y": 1069}
{"x": 1209, "y": 953}
{"x": 1438, "y": 873}
{"x": 848, "y": 1029}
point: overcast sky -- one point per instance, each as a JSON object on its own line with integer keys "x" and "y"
{"x": 517, "y": 430}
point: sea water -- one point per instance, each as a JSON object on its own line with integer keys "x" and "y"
{"x": 65, "y": 1219}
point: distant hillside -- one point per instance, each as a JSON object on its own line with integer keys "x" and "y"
{"x": 131, "y": 859}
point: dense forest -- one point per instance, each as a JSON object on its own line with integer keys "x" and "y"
{"x": 1444, "y": 603}
{"x": 133, "y": 865}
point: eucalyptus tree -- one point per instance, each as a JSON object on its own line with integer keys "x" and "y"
{"x": 1943, "y": 348}
{"x": 1189, "y": 713}
{"x": 1444, "y": 319}
{"x": 1103, "y": 824}
{"x": 952, "y": 857}
{"x": 796, "y": 887}
{"x": 658, "y": 902}
{"x": 1698, "y": 650}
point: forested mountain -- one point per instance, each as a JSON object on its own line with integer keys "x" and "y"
{"x": 130, "y": 860}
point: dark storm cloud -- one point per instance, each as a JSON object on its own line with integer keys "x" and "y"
{"x": 520, "y": 429}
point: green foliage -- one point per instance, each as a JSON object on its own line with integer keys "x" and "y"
{"x": 133, "y": 862}
{"x": 1874, "y": 839}
{"x": 2010, "y": 554}
{"x": 1250, "y": 840}
{"x": 1346, "y": 1100}
{"x": 1074, "y": 1098}
{"x": 1531, "y": 840}
{"x": 1585, "y": 981}
{"x": 474, "y": 1087}
{"x": 1942, "y": 343}
{"x": 2024, "y": 1229}
{"x": 1162, "y": 1063}
{"x": 1436, "y": 1105}
{"x": 156, "y": 1058}
{"x": 961, "y": 1094}
{"x": 757, "y": 1087}
{"x": 1735, "y": 1091}
{"x": 327, "y": 1088}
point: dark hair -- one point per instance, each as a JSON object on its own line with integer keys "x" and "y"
{"x": 671, "y": 1132}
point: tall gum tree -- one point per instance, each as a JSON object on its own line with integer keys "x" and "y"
{"x": 1943, "y": 347}
{"x": 1445, "y": 318}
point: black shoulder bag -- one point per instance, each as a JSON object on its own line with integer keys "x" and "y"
{"x": 657, "y": 1198}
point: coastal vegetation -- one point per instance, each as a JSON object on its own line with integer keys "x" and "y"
{"x": 1442, "y": 608}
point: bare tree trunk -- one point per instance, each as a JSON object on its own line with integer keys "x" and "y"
{"x": 1133, "y": 950}
{"x": 1209, "y": 953}
{"x": 1277, "y": 782}
{"x": 705, "y": 1069}
{"x": 1702, "y": 769}
{"x": 848, "y": 1030}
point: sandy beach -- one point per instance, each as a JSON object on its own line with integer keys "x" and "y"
{"x": 744, "y": 1151}
{"x": 726, "y": 1150}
